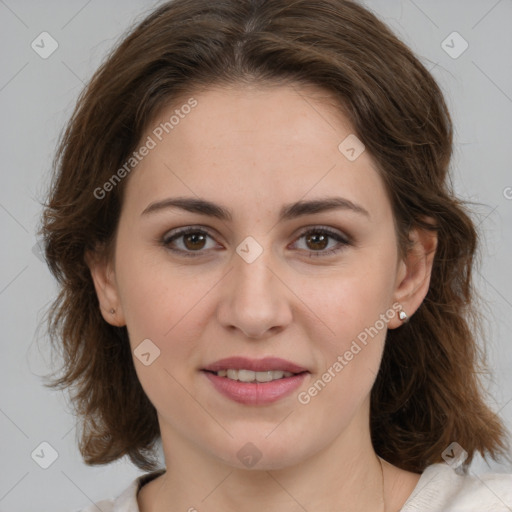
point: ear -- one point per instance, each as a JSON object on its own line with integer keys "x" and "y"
{"x": 103, "y": 277}
{"x": 414, "y": 271}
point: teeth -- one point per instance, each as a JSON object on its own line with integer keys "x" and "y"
{"x": 245, "y": 375}
{"x": 250, "y": 376}
{"x": 266, "y": 376}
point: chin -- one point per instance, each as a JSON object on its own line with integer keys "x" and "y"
{"x": 264, "y": 454}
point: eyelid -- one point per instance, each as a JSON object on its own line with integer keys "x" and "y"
{"x": 185, "y": 230}
{"x": 342, "y": 238}
{"x": 330, "y": 231}
{"x": 177, "y": 233}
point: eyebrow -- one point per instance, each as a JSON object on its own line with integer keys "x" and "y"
{"x": 288, "y": 212}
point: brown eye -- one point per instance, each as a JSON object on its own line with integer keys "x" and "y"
{"x": 188, "y": 241}
{"x": 194, "y": 241}
{"x": 317, "y": 241}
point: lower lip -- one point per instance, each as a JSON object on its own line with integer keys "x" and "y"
{"x": 255, "y": 393}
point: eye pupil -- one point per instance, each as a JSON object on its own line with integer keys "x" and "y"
{"x": 195, "y": 238}
{"x": 318, "y": 239}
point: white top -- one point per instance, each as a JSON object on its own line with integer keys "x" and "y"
{"x": 439, "y": 489}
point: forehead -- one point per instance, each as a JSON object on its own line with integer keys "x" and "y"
{"x": 265, "y": 144}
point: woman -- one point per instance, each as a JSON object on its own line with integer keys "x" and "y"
{"x": 263, "y": 266}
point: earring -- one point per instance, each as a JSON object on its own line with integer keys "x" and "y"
{"x": 112, "y": 311}
{"x": 403, "y": 316}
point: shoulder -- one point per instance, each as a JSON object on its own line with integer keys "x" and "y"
{"x": 441, "y": 489}
{"x": 127, "y": 500}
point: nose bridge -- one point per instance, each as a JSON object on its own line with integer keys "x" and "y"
{"x": 254, "y": 277}
{"x": 255, "y": 300}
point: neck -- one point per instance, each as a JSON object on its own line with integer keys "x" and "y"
{"x": 345, "y": 475}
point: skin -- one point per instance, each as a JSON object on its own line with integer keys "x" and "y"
{"x": 253, "y": 150}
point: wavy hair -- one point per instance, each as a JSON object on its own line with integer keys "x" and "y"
{"x": 428, "y": 392}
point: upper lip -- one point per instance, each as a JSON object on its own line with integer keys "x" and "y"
{"x": 256, "y": 365}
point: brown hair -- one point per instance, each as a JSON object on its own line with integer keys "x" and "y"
{"x": 427, "y": 393}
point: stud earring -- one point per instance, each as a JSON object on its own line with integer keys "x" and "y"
{"x": 112, "y": 311}
{"x": 403, "y": 316}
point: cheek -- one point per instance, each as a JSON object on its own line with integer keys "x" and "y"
{"x": 167, "y": 305}
{"x": 354, "y": 297}
{"x": 358, "y": 313}
{"x": 153, "y": 295}
{"x": 162, "y": 319}
{"x": 355, "y": 307}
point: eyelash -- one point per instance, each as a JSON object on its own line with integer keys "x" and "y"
{"x": 343, "y": 241}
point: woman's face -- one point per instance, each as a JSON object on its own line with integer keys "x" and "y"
{"x": 299, "y": 274}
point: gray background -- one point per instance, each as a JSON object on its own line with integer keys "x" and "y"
{"x": 36, "y": 98}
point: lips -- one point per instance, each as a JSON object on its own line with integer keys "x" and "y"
{"x": 255, "y": 381}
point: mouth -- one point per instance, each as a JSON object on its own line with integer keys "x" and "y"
{"x": 252, "y": 376}
{"x": 255, "y": 381}
{"x": 254, "y": 370}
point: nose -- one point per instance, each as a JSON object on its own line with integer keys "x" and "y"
{"x": 255, "y": 300}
